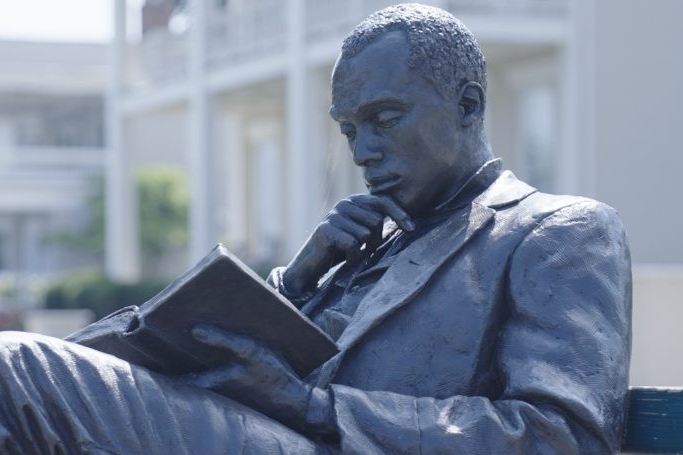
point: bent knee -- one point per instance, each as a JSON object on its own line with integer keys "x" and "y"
{"x": 14, "y": 343}
{"x": 12, "y": 337}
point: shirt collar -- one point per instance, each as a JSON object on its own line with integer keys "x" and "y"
{"x": 477, "y": 183}
{"x": 468, "y": 191}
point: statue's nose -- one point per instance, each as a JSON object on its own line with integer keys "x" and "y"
{"x": 365, "y": 150}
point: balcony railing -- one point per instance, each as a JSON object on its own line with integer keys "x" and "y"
{"x": 159, "y": 59}
{"x": 532, "y": 8}
{"x": 35, "y": 158}
{"x": 246, "y": 30}
{"x": 242, "y": 31}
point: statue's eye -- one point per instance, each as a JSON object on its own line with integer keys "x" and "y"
{"x": 348, "y": 130}
{"x": 387, "y": 119}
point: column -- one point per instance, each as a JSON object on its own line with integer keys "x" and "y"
{"x": 585, "y": 74}
{"x": 318, "y": 144}
{"x": 265, "y": 147}
{"x": 577, "y": 151}
{"x": 297, "y": 159}
{"x": 122, "y": 251}
{"x": 18, "y": 237}
{"x": 202, "y": 232}
{"x": 7, "y": 147}
{"x": 233, "y": 144}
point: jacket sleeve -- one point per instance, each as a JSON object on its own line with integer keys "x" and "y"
{"x": 562, "y": 357}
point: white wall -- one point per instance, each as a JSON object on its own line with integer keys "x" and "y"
{"x": 638, "y": 74}
{"x": 657, "y": 314}
{"x": 639, "y": 113}
{"x": 158, "y": 137}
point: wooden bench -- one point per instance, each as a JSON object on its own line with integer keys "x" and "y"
{"x": 655, "y": 421}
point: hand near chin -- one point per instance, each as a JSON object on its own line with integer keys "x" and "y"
{"x": 260, "y": 379}
{"x": 352, "y": 227}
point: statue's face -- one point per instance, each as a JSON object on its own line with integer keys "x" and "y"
{"x": 402, "y": 133}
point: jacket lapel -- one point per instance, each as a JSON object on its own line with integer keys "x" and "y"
{"x": 412, "y": 269}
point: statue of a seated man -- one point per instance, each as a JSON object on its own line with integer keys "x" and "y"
{"x": 482, "y": 317}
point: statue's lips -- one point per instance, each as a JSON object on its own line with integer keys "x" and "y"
{"x": 382, "y": 184}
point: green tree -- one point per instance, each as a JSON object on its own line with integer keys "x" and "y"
{"x": 90, "y": 240}
{"x": 163, "y": 199}
{"x": 163, "y": 202}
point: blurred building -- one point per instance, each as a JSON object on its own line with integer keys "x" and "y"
{"x": 51, "y": 147}
{"x": 236, "y": 92}
{"x": 584, "y": 98}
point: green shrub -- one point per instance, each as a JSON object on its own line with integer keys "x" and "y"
{"x": 92, "y": 290}
{"x": 163, "y": 204}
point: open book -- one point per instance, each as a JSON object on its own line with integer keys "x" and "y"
{"x": 219, "y": 290}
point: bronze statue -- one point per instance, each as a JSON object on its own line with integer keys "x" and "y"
{"x": 473, "y": 313}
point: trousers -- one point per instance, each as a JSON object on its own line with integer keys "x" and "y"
{"x": 62, "y": 398}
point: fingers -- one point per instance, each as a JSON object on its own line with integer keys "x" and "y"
{"x": 360, "y": 211}
{"x": 358, "y": 220}
{"x": 353, "y": 222}
{"x": 370, "y": 210}
{"x": 390, "y": 208}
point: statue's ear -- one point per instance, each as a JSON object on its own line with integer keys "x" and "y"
{"x": 471, "y": 103}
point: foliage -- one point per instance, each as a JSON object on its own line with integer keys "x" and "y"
{"x": 163, "y": 202}
{"x": 92, "y": 290}
{"x": 90, "y": 239}
{"x": 163, "y": 199}
{"x": 21, "y": 292}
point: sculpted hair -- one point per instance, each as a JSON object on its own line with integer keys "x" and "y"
{"x": 440, "y": 45}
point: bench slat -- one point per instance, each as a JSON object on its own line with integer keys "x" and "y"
{"x": 655, "y": 420}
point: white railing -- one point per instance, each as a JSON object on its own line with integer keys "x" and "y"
{"x": 531, "y": 8}
{"x": 160, "y": 58}
{"x": 328, "y": 18}
{"x": 247, "y": 30}
{"x": 19, "y": 157}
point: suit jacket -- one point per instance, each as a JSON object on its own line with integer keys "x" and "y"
{"x": 505, "y": 329}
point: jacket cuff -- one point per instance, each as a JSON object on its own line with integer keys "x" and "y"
{"x": 275, "y": 280}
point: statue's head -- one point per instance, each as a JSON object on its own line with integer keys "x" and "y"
{"x": 408, "y": 93}
{"x": 439, "y": 44}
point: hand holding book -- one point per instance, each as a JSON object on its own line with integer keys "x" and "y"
{"x": 219, "y": 291}
{"x": 260, "y": 379}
